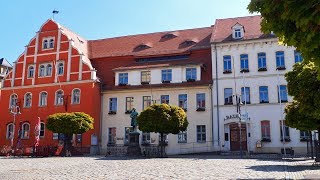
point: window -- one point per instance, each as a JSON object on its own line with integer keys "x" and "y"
{"x": 60, "y": 68}
{"x": 13, "y": 100}
{"x": 30, "y": 72}
{"x": 166, "y": 75}
{"x": 280, "y": 60}
{"x": 201, "y": 133}
{"x": 245, "y": 95}
{"x": 164, "y": 99}
{"x": 25, "y": 131}
{"x": 304, "y": 136}
{"x": 146, "y": 138}
{"x": 9, "y": 134}
{"x": 165, "y": 138}
{"x": 76, "y": 96}
{"x": 49, "y": 70}
{"x": 112, "y": 105}
{"x": 27, "y": 100}
{"x": 146, "y": 102}
{"x": 201, "y": 102}
{"x": 191, "y": 74}
{"x": 45, "y": 44}
{"x": 79, "y": 138}
{"x": 123, "y": 78}
{"x": 145, "y": 77}
{"x": 129, "y": 104}
{"x": 297, "y": 57}
{"x": 237, "y": 34}
{"x": 127, "y": 131}
{"x": 262, "y": 62}
{"x": 182, "y": 137}
{"x": 112, "y": 135}
{"x": 183, "y": 101}
{"x": 244, "y": 63}
{"x": 43, "y": 99}
{"x": 42, "y": 127}
{"x": 227, "y": 64}
{"x": 41, "y": 71}
{"x": 55, "y": 136}
{"x": 263, "y": 92}
{"x": 51, "y": 43}
{"x": 228, "y": 96}
{"x": 59, "y": 97}
{"x": 265, "y": 131}
{"x": 286, "y": 131}
{"x": 283, "y": 93}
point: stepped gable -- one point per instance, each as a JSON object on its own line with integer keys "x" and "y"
{"x": 153, "y": 44}
{"x": 222, "y": 31}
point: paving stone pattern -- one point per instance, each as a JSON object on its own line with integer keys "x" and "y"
{"x": 178, "y": 167}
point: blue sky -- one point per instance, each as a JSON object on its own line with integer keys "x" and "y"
{"x": 98, "y": 19}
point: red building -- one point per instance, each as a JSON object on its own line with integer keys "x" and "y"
{"x": 53, "y": 74}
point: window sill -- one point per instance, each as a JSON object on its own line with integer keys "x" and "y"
{"x": 228, "y": 103}
{"x": 201, "y": 109}
{"x": 227, "y": 72}
{"x": 264, "y": 102}
{"x": 182, "y": 142}
{"x": 145, "y": 83}
{"x": 304, "y": 140}
{"x": 112, "y": 112}
{"x": 262, "y": 69}
{"x": 191, "y": 80}
{"x": 42, "y": 106}
{"x": 121, "y": 84}
{"x": 281, "y": 68}
{"x": 201, "y": 141}
{"x": 244, "y": 70}
{"x": 285, "y": 140}
{"x": 46, "y": 49}
{"x": 265, "y": 140}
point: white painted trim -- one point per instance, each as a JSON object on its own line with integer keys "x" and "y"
{"x": 24, "y": 100}
{"x": 47, "y": 85}
{"x": 55, "y": 97}
{"x": 35, "y": 57}
{"x": 58, "y": 44}
{"x": 72, "y": 96}
{"x": 19, "y": 62}
{"x": 80, "y": 67}
{"x": 24, "y": 65}
{"x": 11, "y": 98}
{"x": 49, "y": 38}
{"x": 40, "y": 99}
{"x": 31, "y": 65}
{"x": 13, "y": 74}
{"x": 45, "y": 54}
{"x": 69, "y": 60}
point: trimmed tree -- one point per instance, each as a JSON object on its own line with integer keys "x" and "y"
{"x": 163, "y": 119}
{"x": 304, "y": 112}
{"x": 296, "y": 23}
{"x": 69, "y": 124}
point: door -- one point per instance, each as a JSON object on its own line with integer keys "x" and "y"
{"x": 235, "y": 137}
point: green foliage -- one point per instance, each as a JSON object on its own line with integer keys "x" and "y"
{"x": 304, "y": 112}
{"x": 70, "y": 123}
{"x": 295, "y": 22}
{"x": 163, "y": 118}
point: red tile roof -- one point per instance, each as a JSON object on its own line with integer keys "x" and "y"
{"x": 158, "y": 44}
{"x": 222, "y": 31}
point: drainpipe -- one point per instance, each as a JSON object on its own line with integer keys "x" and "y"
{"x": 101, "y": 117}
{"x": 211, "y": 113}
{"x": 217, "y": 90}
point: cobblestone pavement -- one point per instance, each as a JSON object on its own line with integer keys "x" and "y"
{"x": 179, "y": 167}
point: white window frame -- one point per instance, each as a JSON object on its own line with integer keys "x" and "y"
{"x": 182, "y": 137}
{"x": 48, "y": 39}
{"x": 72, "y": 96}
{"x": 57, "y": 67}
{"x": 10, "y": 101}
{"x": 40, "y": 100}
{"x": 11, "y": 132}
{"x": 25, "y": 100}
{"x": 23, "y": 131}
{"x": 57, "y": 101}
{"x": 237, "y": 33}
{"x": 28, "y": 74}
{"x": 44, "y": 130}
{"x": 47, "y": 66}
{"x": 44, "y": 70}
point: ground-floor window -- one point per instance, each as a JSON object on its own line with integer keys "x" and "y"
{"x": 304, "y": 135}
{"x": 146, "y": 138}
{"x": 9, "y": 131}
{"x": 286, "y": 131}
{"x": 201, "y": 133}
{"x": 265, "y": 131}
{"x": 112, "y": 135}
{"x": 182, "y": 137}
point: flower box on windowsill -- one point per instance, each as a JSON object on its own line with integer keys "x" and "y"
{"x": 112, "y": 112}
{"x": 281, "y": 68}
{"x": 166, "y": 81}
{"x": 191, "y": 80}
{"x": 201, "y": 109}
{"x": 246, "y": 103}
{"x": 283, "y": 101}
{"x": 145, "y": 144}
{"x": 262, "y": 69}
{"x": 265, "y": 140}
{"x": 285, "y": 139}
{"x": 144, "y": 83}
{"x": 228, "y": 103}
{"x": 128, "y": 112}
{"x": 263, "y": 102}
{"x": 122, "y": 84}
{"x": 244, "y": 70}
{"x": 227, "y": 72}
{"x": 304, "y": 139}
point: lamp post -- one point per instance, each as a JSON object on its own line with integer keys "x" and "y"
{"x": 281, "y": 115}
{"x": 14, "y": 110}
{"x": 238, "y": 101}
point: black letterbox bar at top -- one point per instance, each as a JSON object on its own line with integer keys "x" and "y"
{"x": 163, "y": 58}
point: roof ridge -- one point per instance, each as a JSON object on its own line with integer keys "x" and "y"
{"x": 149, "y": 33}
{"x": 241, "y": 17}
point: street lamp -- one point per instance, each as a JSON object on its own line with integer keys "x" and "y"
{"x": 239, "y": 103}
{"x": 14, "y": 110}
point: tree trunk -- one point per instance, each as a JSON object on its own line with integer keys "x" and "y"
{"x": 318, "y": 147}
{"x": 161, "y": 144}
{"x": 67, "y": 145}
{"x": 311, "y": 144}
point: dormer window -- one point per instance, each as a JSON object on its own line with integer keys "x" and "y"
{"x": 237, "y": 34}
{"x": 168, "y": 36}
{"x": 141, "y": 47}
{"x": 237, "y": 31}
{"x": 48, "y": 43}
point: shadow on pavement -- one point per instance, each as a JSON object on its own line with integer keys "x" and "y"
{"x": 282, "y": 168}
